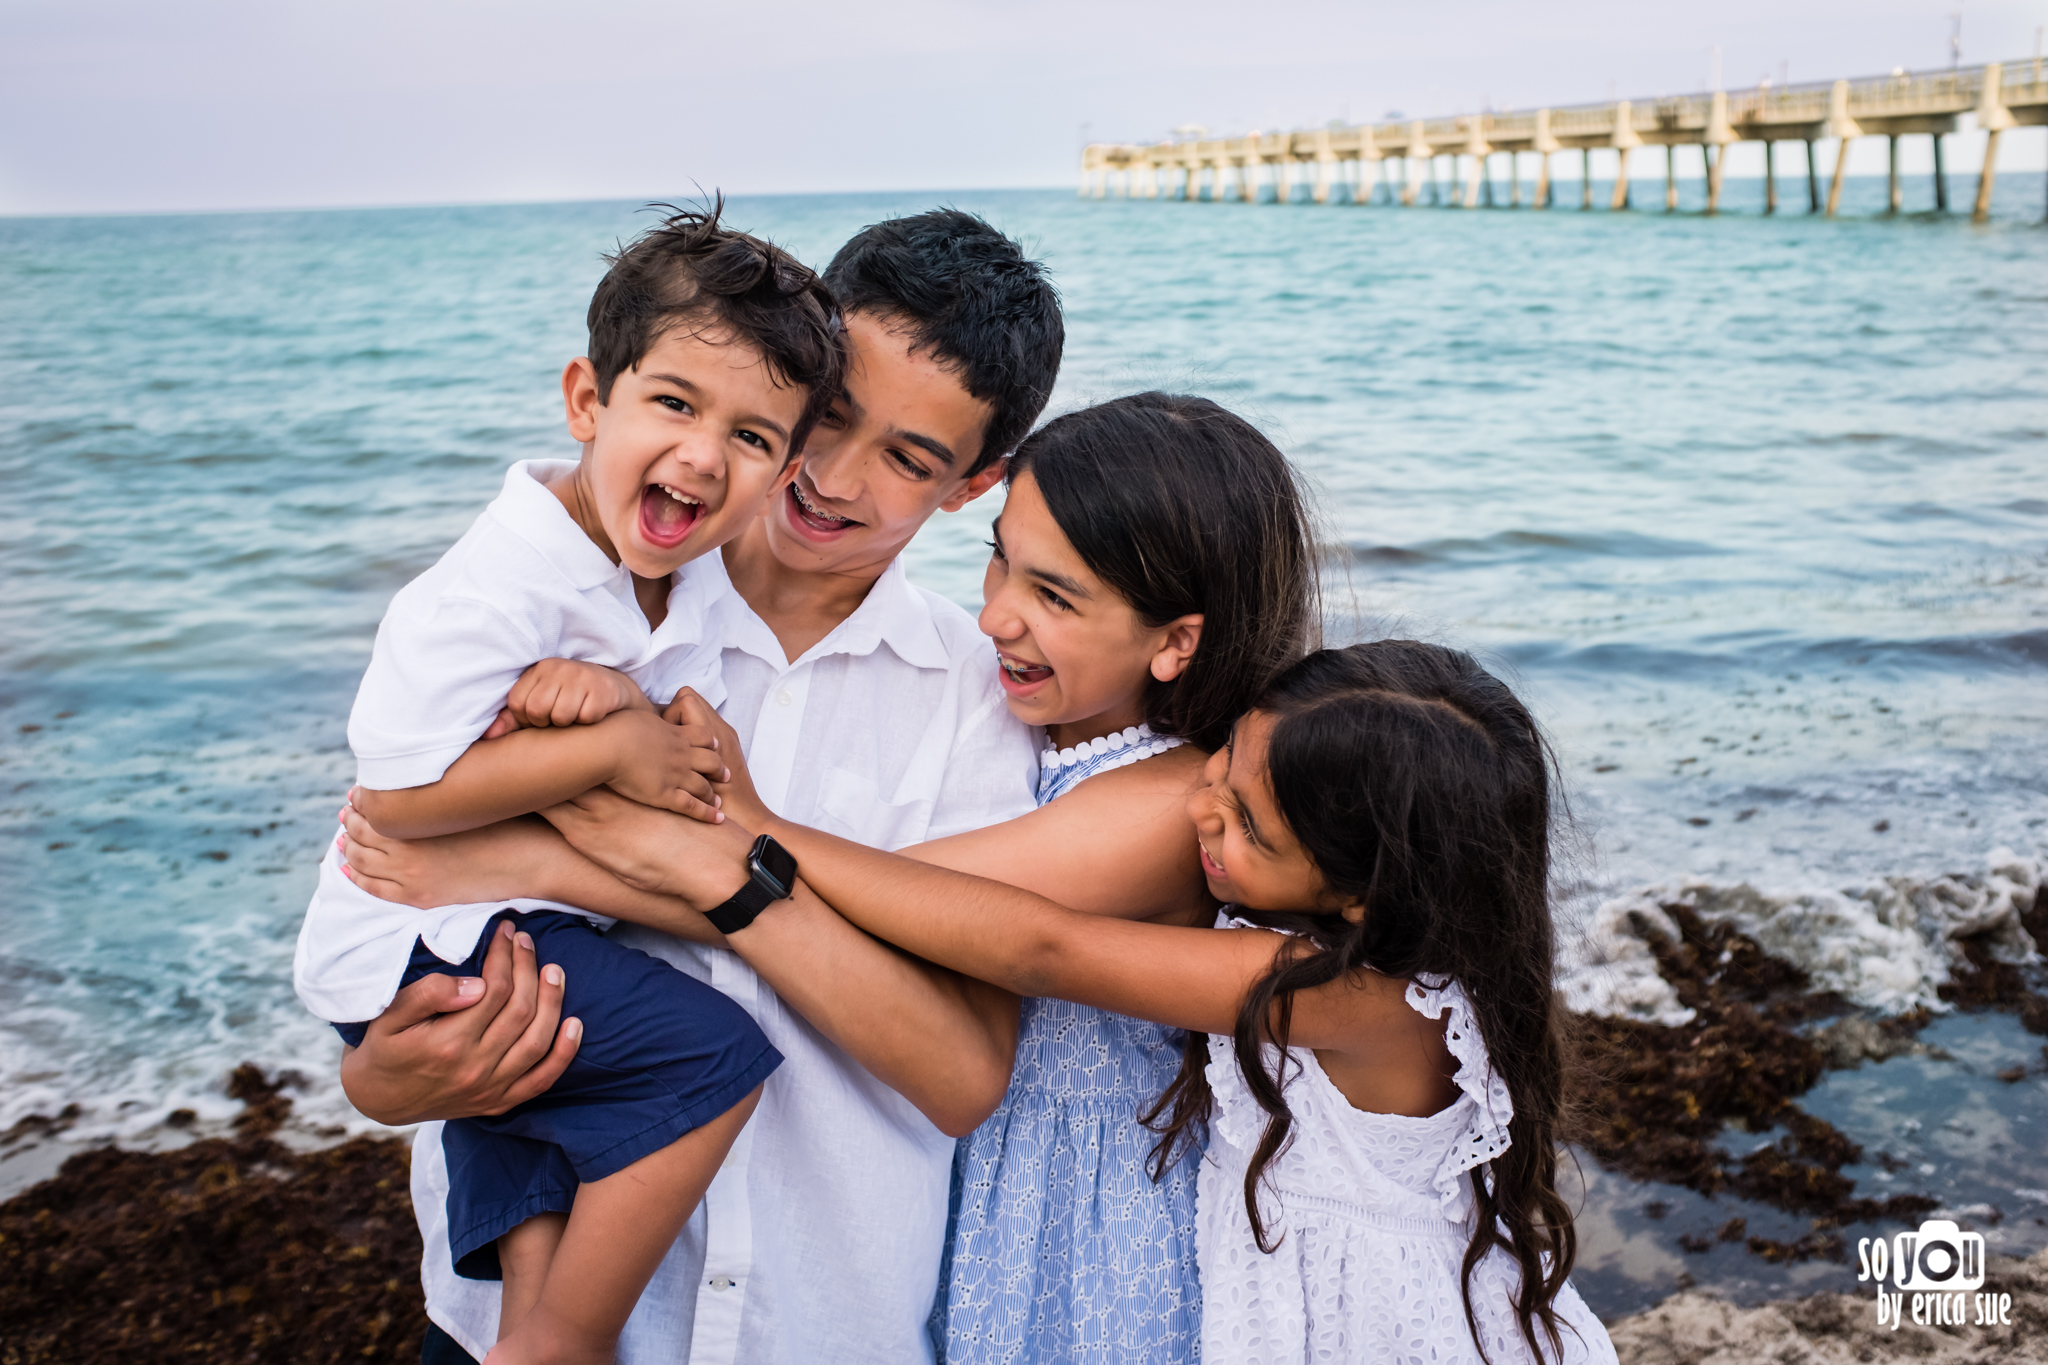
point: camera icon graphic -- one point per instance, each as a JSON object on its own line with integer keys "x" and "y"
{"x": 1939, "y": 1258}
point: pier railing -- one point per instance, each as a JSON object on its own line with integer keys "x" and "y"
{"x": 2000, "y": 95}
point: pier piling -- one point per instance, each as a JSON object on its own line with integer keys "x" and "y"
{"x": 1770, "y": 176}
{"x": 1982, "y": 212}
{"x": 1897, "y": 199}
{"x": 1994, "y": 118}
{"x": 1812, "y": 181}
{"x": 1940, "y": 179}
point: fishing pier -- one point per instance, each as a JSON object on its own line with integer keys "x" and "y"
{"x": 1348, "y": 163}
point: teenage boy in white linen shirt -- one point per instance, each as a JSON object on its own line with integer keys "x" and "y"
{"x": 873, "y": 707}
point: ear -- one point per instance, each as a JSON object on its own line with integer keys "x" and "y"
{"x": 1177, "y": 646}
{"x": 579, "y": 399}
{"x": 784, "y": 479}
{"x": 1353, "y": 911}
{"x": 976, "y": 486}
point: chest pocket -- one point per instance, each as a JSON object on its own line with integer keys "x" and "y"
{"x": 851, "y": 806}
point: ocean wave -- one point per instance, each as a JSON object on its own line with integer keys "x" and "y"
{"x": 1887, "y": 945}
{"x": 1774, "y": 648}
{"x": 1519, "y": 547}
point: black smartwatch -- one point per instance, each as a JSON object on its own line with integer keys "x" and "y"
{"x": 771, "y": 876}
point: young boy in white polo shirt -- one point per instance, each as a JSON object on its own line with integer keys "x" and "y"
{"x": 873, "y": 707}
{"x": 518, "y": 672}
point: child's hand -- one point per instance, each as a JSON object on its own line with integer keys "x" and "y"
{"x": 566, "y": 692}
{"x": 668, "y": 766}
{"x": 736, "y": 793}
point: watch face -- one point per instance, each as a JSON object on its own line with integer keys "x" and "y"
{"x": 775, "y": 862}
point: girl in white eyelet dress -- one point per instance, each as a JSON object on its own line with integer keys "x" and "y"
{"x": 1380, "y": 1082}
{"x": 1374, "y": 1202}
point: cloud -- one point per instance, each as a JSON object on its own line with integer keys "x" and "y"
{"x": 116, "y": 105}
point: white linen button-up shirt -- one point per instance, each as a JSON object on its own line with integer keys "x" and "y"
{"x": 820, "y": 1238}
{"x": 524, "y": 583}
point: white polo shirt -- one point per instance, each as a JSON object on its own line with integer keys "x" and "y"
{"x": 523, "y": 584}
{"x": 820, "y": 1238}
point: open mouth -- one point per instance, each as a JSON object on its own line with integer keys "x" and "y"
{"x": 1021, "y": 673}
{"x": 668, "y": 515}
{"x": 806, "y": 514}
{"x": 1209, "y": 864}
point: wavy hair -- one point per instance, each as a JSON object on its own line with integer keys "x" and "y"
{"x": 1420, "y": 787}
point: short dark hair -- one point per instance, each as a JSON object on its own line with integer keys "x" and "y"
{"x": 973, "y": 300}
{"x": 1182, "y": 506}
{"x": 692, "y": 269}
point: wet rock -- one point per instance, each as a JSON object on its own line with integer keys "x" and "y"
{"x": 1849, "y": 1043}
{"x": 1989, "y": 982}
{"x": 1836, "y": 1329}
{"x": 39, "y": 1126}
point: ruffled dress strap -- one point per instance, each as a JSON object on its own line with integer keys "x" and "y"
{"x": 1485, "y": 1135}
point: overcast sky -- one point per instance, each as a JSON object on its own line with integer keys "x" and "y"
{"x": 138, "y": 105}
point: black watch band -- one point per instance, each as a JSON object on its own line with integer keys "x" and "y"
{"x": 737, "y": 913}
{"x": 771, "y": 876}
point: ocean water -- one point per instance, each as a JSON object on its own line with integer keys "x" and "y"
{"x": 1753, "y": 510}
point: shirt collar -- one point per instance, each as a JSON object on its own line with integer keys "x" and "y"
{"x": 894, "y": 613}
{"x": 528, "y": 510}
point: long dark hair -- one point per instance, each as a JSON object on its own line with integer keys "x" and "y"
{"x": 1420, "y": 787}
{"x": 1181, "y": 506}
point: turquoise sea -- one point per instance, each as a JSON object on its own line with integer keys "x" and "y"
{"x": 1754, "y": 510}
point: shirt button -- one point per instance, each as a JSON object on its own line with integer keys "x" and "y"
{"x": 783, "y": 698}
{"x": 723, "y": 1282}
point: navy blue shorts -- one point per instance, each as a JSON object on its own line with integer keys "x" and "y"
{"x": 662, "y": 1053}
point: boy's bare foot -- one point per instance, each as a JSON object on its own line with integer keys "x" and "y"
{"x": 544, "y": 1338}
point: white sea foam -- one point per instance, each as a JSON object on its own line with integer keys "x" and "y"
{"x": 1888, "y": 944}
{"x": 1606, "y": 967}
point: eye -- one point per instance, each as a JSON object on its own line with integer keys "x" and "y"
{"x": 996, "y": 548}
{"x": 911, "y": 468}
{"x": 672, "y": 403}
{"x": 754, "y": 439}
{"x": 1053, "y": 599}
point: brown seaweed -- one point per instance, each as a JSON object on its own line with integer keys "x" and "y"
{"x": 1650, "y": 1100}
{"x": 225, "y": 1250}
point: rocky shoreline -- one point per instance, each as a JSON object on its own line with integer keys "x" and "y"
{"x": 235, "y": 1250}
{"x": 1691, "y": 1328}
{"x": 244, "y": 1248}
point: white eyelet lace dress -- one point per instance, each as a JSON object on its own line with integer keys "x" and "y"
{"x": 1376, "y": 1210}
{"x": 1063, "y": 1249}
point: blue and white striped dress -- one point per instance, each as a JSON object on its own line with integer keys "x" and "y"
{"x": 1063, "y": 1248}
